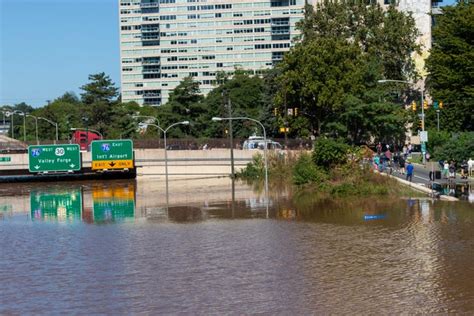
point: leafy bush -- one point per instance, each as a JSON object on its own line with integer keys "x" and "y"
{"x": 305, "y": 171}
{"x": 458, "y": 148}
{"x": 254, "y": 169}
{"x": 329, "y": 152}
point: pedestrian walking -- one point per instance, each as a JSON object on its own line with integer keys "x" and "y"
{"x": 446, "y": 169}
{"x": 410, "y": 171}
{"x": 379, "y": 148}
{"x": 401, "y": 163}
{"x": 452, "y": 170}
{"x": 376, "y": 160}
{"x": 464, "y": 169}
{"x": 396, "y": 158}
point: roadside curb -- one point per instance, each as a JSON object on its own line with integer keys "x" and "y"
{"x": 420, "y": 188}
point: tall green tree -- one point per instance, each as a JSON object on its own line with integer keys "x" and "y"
{"x": 317, "y": 76}
{"x": 331, "y": 75}
{"x": 99, "y": 99}
{"x": 100, "y": 89}
{"x": 184, "y": 104}
{"x": 388, "y": 34}
{"x": 451, "y": 66}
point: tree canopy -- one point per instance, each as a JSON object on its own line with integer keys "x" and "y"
{"x": 451, "y": 66}
{"x": 331, "y": 74}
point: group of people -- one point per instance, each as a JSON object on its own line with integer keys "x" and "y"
{"x": 449, "y": 169}
{"x": 385, "y": 160}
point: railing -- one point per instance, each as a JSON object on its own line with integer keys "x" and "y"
{"x": 174, "y": 143}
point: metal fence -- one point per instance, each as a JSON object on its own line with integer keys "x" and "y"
{"x": 176, "y": 143}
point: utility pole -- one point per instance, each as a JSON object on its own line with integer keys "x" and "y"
{"x": 423, "y": 121}
{"x": 437, "y": 114}
{"x": 285, "y": 122}
{"x": 231, "y": 139}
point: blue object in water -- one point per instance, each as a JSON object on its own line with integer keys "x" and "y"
{"x": 374, "y": 217}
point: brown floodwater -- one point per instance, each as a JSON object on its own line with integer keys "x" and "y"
{"x": 125, "y": 247}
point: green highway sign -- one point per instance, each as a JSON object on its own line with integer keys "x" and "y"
{"x": 112, "y": 154}
{"x": 59, "y": 205}
{"x": 45, "y": 158}
{"x": 5, "y": 159}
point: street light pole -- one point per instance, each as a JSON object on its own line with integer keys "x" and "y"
{"x": 231, "y": 134}
{"x": 24, "y": 126}
{"x": 53, "y": 123}
{"x": 216, "y": 119}
{"x": 437, "y": 115}
{"x": 166, "y": 151}
{"x": 36, "y": 127}
{"x": 24, "y": 122}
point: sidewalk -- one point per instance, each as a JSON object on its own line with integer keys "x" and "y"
{"x": 426, "y": 167}
{"x": 421, "y": 188}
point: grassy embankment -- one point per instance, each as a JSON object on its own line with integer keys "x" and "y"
{"x": 339, "y": 174}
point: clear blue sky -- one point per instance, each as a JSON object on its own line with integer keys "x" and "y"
{"x": 48, "y": 47}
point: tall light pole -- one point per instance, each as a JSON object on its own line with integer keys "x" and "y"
{"x": 53, "y": 123}
{"x": 437, "y": 114}
{"x": 422, "y": 105}
{"x": 36, "y": 126}
{"x": 4, "y": 112}
{"x": 217, "y": 119}
{"x": 166, "y": 151}
{"x": 24, "y": 122}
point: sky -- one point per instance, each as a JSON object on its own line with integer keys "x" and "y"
{"x": 49, "y": 47}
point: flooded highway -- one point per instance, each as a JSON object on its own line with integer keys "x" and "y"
{"x": 213, "y": 247}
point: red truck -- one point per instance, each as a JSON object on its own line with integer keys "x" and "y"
{"x": 84, "y": 138}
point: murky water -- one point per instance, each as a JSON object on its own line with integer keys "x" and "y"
{"x": 120, "y": 248}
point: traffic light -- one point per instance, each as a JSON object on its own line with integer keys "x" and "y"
{"x": 413, "y": 106}
{"x": 440, "y": 104}
{"x": 425, "y": 104}
{"x": 275, "y": 111}
{"x": 421, "y": 125}
{"x": 435, "y": 105}
{"x": 296, "y": 111}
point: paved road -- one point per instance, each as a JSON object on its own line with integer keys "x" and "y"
{"x": 421, "y": 176}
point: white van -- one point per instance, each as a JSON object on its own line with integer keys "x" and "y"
{"x": 257, "y": 142}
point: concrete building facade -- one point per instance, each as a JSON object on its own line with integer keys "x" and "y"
{"x": 164, "y": 41}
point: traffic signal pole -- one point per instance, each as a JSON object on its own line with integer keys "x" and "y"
{"x": 423, "y": 122}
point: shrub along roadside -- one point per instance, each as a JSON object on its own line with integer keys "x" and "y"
{"x": 336, "y": 174}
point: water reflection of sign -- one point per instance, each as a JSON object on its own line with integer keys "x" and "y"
{"x": 60, "y": 205}
{"x": 6, "y": 208}
{"x": 115, "y": 203}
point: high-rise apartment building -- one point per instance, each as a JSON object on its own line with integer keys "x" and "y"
{"x": 164, "y": 41}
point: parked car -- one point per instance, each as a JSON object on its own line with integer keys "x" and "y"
{"x": 257, "y": 142}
